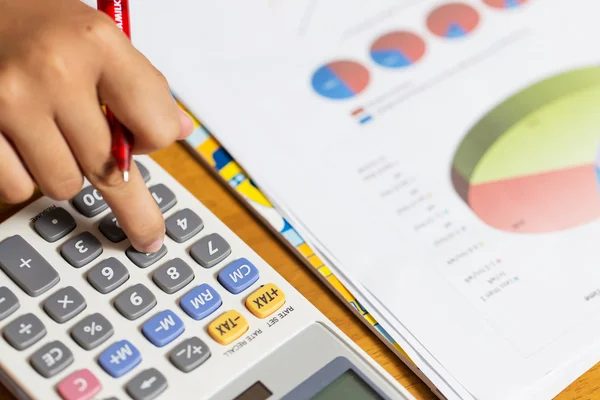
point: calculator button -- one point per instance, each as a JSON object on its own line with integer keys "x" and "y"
{"x": 110, "y": 228}
{"x": 51, "y": 359}
{"x": 89, "y": 202}
{"x": 108, "y": 275}
{"x": 189, "y": 354}
{"x": 135, "y": 302}
{"x": 64, "y": 304}
{"x": 238, "y": 276}
{"x": 120, "y": 358}
{"x": 80, "y": 385}
{"x": 183, "y": 225}
{"x": 55, "y": 224}
{"x": 92, "y": 331}
{"x": 147, "y": 385}
{"x": 163, "y": 328}
{"x": 210, "y": 250}
{"x": 201, "y": 301}
{"x": 26, "y": 267}
{"x": 228, "y": 327}
{"x": 8, "y": 302}
{"x": 24, "y": 331}
{"x": 143, "y": 171}
{"x": 144, "y": 260}
{"x": 81, "y": 250}
{"x": 173, "y": 276}
{"x": 163, "y": 196}
{"x": 265, "y": 301}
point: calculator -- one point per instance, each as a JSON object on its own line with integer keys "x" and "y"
{"x": 85, "y": 316}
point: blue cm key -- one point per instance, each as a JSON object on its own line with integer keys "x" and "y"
{"x": 163, "y": 328}
{"x": 120, "y": 358}
{"x": 238, "y": 276}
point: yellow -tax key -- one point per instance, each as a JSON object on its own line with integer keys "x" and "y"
{"x": 228, "y": 327}
{"x": 265, "y": 301}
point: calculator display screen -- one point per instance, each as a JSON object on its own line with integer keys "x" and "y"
{"x": 348, "y": 386}
{"x": 258, "y": 391}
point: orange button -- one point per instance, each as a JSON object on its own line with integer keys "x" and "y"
{"x": 228, "y": 327}
{"x": 265, "y": 301}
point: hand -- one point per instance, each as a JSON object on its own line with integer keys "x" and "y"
{"x": 61, "y": 60}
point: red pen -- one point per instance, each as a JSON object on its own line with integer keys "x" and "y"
{"x": 122, "y": 139}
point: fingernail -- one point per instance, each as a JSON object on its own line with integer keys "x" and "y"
{"x": 154, "y": 246}
{"x": 187, "y": 125}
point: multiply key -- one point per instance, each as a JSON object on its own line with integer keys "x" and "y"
{"x": 26, "y": 267}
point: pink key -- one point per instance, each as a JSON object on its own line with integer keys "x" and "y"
{"x": 80, "y": 385}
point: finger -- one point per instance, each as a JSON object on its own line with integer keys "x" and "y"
{"x": 187, "y": 125}
{"x": 16, "y": 186}
{"x": 139, "y": 96}
{"x": 88, "y": 134}
{"x": 47, "y": 156}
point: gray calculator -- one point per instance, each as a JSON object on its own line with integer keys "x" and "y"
{"x": 85, "y": 316}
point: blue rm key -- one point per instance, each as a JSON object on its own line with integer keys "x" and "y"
{"x": 201, "y": 301}
{"x": 120, "y": 358}
{"x": 238, "y": 276}
{"x": 163, "y": 328}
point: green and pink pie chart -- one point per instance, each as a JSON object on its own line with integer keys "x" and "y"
{"x": 532, "y": 164}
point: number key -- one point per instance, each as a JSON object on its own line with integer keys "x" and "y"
{"x": 108, "y": 275}
{"x": 183, "y": 225}
{"x": 89, "y": 202}
{"x": 163, "y": 196}
{"x": 81, "y": 250}
{"x": 110, "y": 228}
{"x": 135, "y": 302}
{"x": 173, "y": 276}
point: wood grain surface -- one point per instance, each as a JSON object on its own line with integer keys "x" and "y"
{"x": 183, "y": 167}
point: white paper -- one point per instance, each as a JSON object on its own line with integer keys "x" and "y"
{"x": 500, "y": 311}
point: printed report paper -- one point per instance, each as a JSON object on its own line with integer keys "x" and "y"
{"x": 445, "y": 154}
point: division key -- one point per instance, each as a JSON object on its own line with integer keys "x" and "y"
{"x": 26, "y": 267}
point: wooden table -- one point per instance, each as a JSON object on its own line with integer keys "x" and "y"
{"x": 177, "y": 161}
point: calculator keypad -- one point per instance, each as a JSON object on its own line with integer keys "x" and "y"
{"x": 24, "y": 332}
{"x": 189, "y": 354}
{"x": 135, "y": 302}
{"x": 81, "y": 250}
{"x": 51, "y": 359}
{"x": 173, "y": 275}
{"x": 92, "y": 331}
{"x": 55, "y": 224}
{"x": 144, "y": 260}
{"x": 108, "y": 275}
{"x": 65, "y": 304}
{"x": 201, "y": 302}
{"x": 147, "y": 385}
{"x": 8, "y": 303}
{"x": 210, "y": 250}
{"x": 26, "y": 267}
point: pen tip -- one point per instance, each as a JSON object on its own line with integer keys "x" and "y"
{"x": 126, "y": 176}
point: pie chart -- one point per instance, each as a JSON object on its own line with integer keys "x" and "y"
{"x": 453, "y": 20}
{"x": 340, "y": 80}
{"x": 532, "y": 165}
{"x": 397, "y": 49}
{"x": 504, "y": 3}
